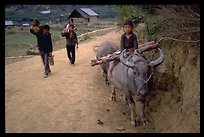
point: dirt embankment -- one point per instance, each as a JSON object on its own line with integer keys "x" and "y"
{"x": 73, "y": 98}
{"x": 176, "y": 103}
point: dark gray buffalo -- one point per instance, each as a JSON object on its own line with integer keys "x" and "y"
{"x": 131, "y": 75}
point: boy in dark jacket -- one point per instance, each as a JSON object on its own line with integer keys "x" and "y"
{"x": 128, "y": 42}
{"x": 128, "y": 38}
{"x": 45, "y": 47}
{"x": 71, "y": 42}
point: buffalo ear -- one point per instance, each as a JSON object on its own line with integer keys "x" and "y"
{"x": 161, "y": 69}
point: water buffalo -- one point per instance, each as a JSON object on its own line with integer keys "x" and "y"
{"x": 104, "y": 49}
{"x": 131, "y": 75}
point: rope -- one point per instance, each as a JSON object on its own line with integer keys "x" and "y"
{"x": 149, "y": 78}
{"x": 145, "y": 81}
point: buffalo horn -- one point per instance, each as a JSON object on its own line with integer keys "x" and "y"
{"x": 157, "y": 62}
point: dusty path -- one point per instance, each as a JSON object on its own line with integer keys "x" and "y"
{"x": 72, "y": 99}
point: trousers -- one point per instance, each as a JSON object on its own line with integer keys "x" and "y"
{"x": 71, "y": 53}
{"x": 45, "y": 60}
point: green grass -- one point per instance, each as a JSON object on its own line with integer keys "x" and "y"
{"x": 18, "y": 42}
{"x": 19, "y": 39}
{"x": 15, "y": 49}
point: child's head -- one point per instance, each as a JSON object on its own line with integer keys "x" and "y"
{"x": 71, "y": 27}
{"x": 46, "y": 29}
{"x": 128, "y": 26}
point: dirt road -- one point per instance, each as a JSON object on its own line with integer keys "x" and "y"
{"x": 71, "y": 99}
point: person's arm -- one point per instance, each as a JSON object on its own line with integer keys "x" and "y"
{"x": 36, "y": 33}
{"x": 76, "y": 39}
{"x": 32, "y": 31}
{"x": 64, "y": 33}
{"x": 37, "y": 36}
{"x": 135, "y": 41}
{"x": 50, "y": 45}
{"x": 122, "y": 43}
{"x": 67, "y": 26}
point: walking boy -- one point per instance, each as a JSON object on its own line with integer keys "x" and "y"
{"x": 71, "y": 42}
{"x": 45, "y": 46}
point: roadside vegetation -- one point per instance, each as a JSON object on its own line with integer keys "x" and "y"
{"x": 163, "y": 20}
{"x": 174, "y": 104}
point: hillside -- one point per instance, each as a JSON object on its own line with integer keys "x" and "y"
{"x": 26, "y": 13}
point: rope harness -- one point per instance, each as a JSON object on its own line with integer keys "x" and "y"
{"x": 145, "y": 82}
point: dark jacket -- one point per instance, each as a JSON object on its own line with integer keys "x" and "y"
{"x": 71, "y": 38}
{"x": 128, "y": 43}
{"x": 44, "y": 41}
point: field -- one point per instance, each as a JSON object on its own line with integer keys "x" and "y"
{"x": 19, "y": 39}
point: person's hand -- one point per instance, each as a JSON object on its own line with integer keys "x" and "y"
{"x": 36, "y": 29}
{"x": 50, "y": 53}
{"x": 66, "y": 30}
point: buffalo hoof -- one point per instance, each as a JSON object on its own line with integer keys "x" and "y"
{"x": 134, "y": 123}
{"x": 138, "y": 121}
{"x": 113, "y": 98}
{"x": 144, "y": 121}
{"x": 124, "y": 100}
{"x": 107, "y": 82}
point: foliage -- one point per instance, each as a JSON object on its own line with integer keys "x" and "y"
{"x": 128, "y": 12}
{"x": 162, "y": 20}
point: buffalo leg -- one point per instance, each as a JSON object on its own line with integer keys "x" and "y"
{"x": 124, "y": 99}
{"x": 141, "y": 107}
{"x": 132, "y": 108}
{"x": 140, "y": 103}
{"x": 106, "y": 78}
{"x": 113, "y": 93}
{"x": 133, "y": 114}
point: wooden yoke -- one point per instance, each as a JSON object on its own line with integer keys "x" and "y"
{"x": 105, "y": 59}
{"x": 110, "y": 57}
